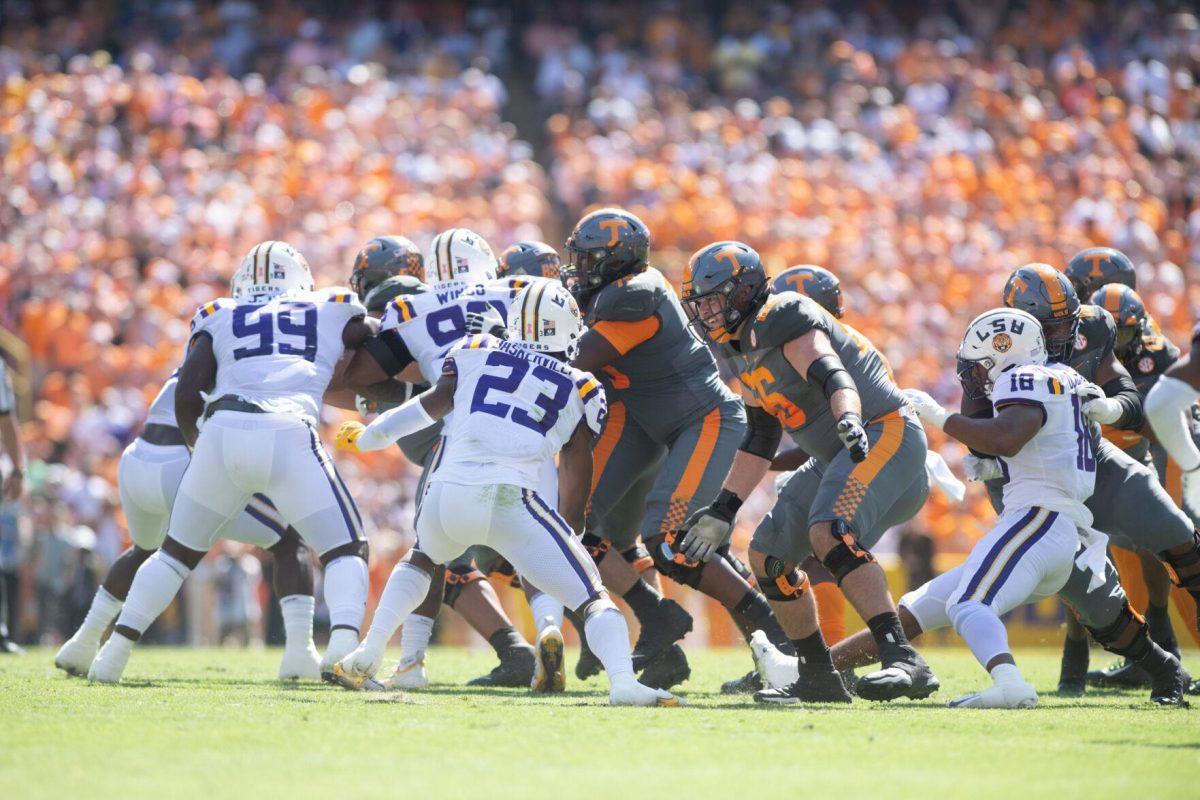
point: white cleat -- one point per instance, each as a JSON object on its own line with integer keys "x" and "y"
{"x": 342, "y": 642}
{"x": 549, "y": 670}
{"x": 110, "y": 662}
{"x": 1002, "y": 695}
{"x": 776, "y": 669}
{"x": 628, "y": 692}
{"x": 76, "y": 655}
{"x": 355, "y": 683}
{"x": 409, "y": 674}
{"x": 300, "y": 663}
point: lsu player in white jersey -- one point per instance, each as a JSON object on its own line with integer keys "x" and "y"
{"x": 516, "y": 403}
{"x": 1043, "y": 442}
{"x": 256, "y": 370}
{"x": 463, "y": 291}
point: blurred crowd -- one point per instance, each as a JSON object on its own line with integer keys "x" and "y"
{"x": 920, "y": 154}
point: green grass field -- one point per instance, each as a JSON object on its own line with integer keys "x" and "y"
{"x": 211, "y": 723}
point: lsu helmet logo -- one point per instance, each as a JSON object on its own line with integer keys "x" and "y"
{"x": 1002, "y": 342}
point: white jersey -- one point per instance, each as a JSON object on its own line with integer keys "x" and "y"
{"x": 279, "y": 354}
{"x": 1056, "y": 469}
{"x": 514, "y": 409}
{"x": 162, "y": 410}
{"x": 432, "y": 322}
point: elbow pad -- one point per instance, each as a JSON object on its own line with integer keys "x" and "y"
{"x": 1124, "y": 391}
{"x": 829, "y": 373}
{"x": 390, "y": 351}
{"x": 763, "y": 433}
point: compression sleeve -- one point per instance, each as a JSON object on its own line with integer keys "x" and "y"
{"x": 395, "y": 424}
{"x": 1167, "y": 406}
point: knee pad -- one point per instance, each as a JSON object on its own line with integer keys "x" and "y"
{"x": 360, "y": 549}
{"x": 595, "y": 546}
{"x": 638, "y": 557}
{"x": 845, "y": 556}
{"x": 674, "y": 565}
{"x": 458, "y": 576}
{"x": 783, "y": 582}
{"x": 1127, "y": 635}
{"x": 738, "y": 566}
{"x": 1185, "y": 564}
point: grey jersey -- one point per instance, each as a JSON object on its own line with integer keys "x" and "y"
{"x": 759, "y": 361}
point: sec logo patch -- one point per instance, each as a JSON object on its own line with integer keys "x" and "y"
{"x": 1001, "y": 342}
{"x": 1080, "y": 341}
{"x": 1146, "y": 364}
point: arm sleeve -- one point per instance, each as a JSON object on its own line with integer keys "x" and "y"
{"x": 1124, "y": 391}
{"x": 395, "y": 424}
{"x": 1166, "y": 408}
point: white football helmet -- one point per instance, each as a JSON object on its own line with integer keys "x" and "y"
{"x": 545, "y": 317}
{"x": 271, "y": 269}
{"x": 995, "y": 341}
{"x": 461, "y": 255}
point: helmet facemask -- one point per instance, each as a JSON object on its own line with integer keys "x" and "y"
{"x": 1060, "y": 337}
{"x": 719, "y": 312}
{"x": 1128, "y": 338}
{"x": 975, "y": 375}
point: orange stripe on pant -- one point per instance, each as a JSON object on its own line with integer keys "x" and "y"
{"x": 603, "y": 449}
{"x": 1184, "y": 602}
{"x": 880, "y": 454}
{"x": 681, "y": 498}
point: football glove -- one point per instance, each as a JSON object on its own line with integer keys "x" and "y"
{"x": 981, "y": 469}
{"x": 347, "y": 436}
{"x": 488, "y": 321}
{"x": 928, "y": 409}
{"x": 854, "y": 436}
{"x": 364, "y": 405}
{"x": 1096, "y": 406}
{"x": 709, "y": 528}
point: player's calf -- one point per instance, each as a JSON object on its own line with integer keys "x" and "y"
{"x": 346, "y": 584}
{"x": 1128, "y": 635}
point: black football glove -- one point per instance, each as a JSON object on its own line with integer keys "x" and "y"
{"x": 489, "y": 322}
{"x": 854, "y": 436}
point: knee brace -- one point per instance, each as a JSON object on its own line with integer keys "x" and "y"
{"x": 783, "y": 582}
{"x": 735, "y": 562}
{"x": 638, "y": 557}
{"x": 595, "y": 546}
{"x": 1185, "y": 563}
{"x": 674, "y": 565}
{"x": 845, "y": 556}
{"x": 1127, "y": 635}
{"x": 360, "y": 549}
{"x": 458, "y": 576}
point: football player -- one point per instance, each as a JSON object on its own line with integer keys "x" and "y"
{"x": 672, "y": 431}
{"x": 534, "y": 259}
{"x": 803, "y": 370}
{"x": 518, "y": 405}
{"x": 1094, "y": 267}
{"x": 1039, "y": 432}
{"x": 386, "y": 268}
{"x": 256, "y": 370}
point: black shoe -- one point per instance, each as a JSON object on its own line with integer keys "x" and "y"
{"x": 903, "y": 674}
{"x": 669, "y": 624}
{"x": 1169, "y": 684}
{"x": 1194, "y": 688}
{"x": 747, "y": 684}
{"x": 587, "y": 665}
{"x": 813, "y": 686}
{"x": 10, "y": 648}
{"x": 1073, "y": 670}
{"x": 1122, "y": 675}
{"x": 515, "y": 670}
{"x": 849, "y": 680}
{"x": 669, "y": 669}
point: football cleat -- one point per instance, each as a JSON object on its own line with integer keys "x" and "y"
{"x": 1194, "y": 688}
{"x": 669, "y": 624}
{"x": 549, "y": 670}
{"x": 588, "y": 664}
{"x": 110, "y": 662}
{"x": 669, "y": 669}
{"x": 300, "y": 663}
{"x": 905, "y": 676}
{"x": 362, "y": 662}
{"x": 812, "y": 686}
{"x": 515, "y": 669}
{"x": 410, "y": 674}
{"x": 10, "y": 648}
{"x": 1072, "y": 674}
{"x": 1017, "y": 694}
{"x": 747, "y": 684}
{"x": 776, "y": 669}
{"x": 342, "y": 643}
{"x": 1169, "y": 682}
{"x": 76, "y": 655}
{"x": 355, "y": 683}
{"x": 628, "y": 692}
{"x": 1121, "y": 674}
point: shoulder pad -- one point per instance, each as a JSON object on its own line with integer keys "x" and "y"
{"x": 784, "y": 317}
{"x": 632, "y": 298}
{"x": 390, "y": 288}
{"x": 595, "y": 404}
{"x": 205, "y": 314}
{"x": 1096, "y": 317}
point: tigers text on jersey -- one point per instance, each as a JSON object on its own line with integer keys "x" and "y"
{"x": 1056, "y": 469}
{"x": 279, "y": 354}
{"x": 432, "y": 322}
{"x": 514, "y": 409}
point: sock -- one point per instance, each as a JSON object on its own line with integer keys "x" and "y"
{"x": 1159, "y": 620}
{"x": 608, "y": 636}
{"x": 642, "y": 599}
{"x": 887, "y": 630}
{"x": 981, "y": 629}
{"x": 546, "y": 611}
{"x": 831, "y": 610}
{"x": 506, "y": 639}
{"x": 406, "y": 588}
{"x": 103, "y": 611}
{"x": 812, "y": 651}
{"x": 297, "y": 611}
{"x": 756, "y": 615}
{"x": 346, "y": 585}
{"x": 154, "y": 587}
{"x": 414, "y": 636}
{"x": 1156, "y": 660}
{"x": 580, "y": 628}
{"x": 1006, "y": 673}
{"x": 1075, "y": 656}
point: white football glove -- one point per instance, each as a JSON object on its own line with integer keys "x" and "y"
{"x": 928, "y": 409}
{"x": 489, "y": 321}
{"x": 1096, "y": 406}
{"x": 704, "y": 532}
{"x": 981, "y": 469}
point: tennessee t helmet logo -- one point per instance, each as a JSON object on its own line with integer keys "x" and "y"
{"x": 1095, "y": 259}
{"x": 730, "y": 255}
{"x": 614, "y": 226}
{"x": 1018, "y": 285}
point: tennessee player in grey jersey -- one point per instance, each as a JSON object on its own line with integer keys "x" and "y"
{"x": 804, "y": 372}
{"x": 672, "y": 432}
